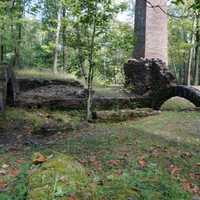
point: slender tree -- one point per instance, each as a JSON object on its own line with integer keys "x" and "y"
{"x": 192, "y": 52}
{"x": 56, "y": 53}
{"x": 197, "y": 49}
{"x": 64, "y": 40}
{"x": 19, "y": 7}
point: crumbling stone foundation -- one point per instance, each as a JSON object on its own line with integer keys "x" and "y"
{"x": 146, "y": 77}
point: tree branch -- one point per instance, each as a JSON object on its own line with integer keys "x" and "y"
{"x": 150, "y": 5}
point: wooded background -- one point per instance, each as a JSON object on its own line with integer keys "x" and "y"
{"x": 60, "y": 35}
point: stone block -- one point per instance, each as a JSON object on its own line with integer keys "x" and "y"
{"x": 147, "y": 76}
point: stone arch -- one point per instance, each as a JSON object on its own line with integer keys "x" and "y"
{"x": 189, "y": 93}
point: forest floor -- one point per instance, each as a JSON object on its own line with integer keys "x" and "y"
{"x": 156, "y": 157}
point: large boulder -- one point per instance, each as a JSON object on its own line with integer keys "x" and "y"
{"x": 147, "y": 76}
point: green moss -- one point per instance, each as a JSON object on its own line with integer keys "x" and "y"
{"x": 20, "y": 116}
{"x": 47, "y": 74}
{"x": 57, "y": 178}
{"x": 176, "y": 126}
{"x": 34, "y": 119}
{"x": 177, "y": 103}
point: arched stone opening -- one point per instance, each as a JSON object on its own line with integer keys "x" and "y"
{"x": 186, "y": 92}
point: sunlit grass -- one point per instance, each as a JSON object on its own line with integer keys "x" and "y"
{"x": 110, "y": 156}
{"x": 61, "y": 75}
{"x": 45, "y": 74}
{"x": 178, "y": 126}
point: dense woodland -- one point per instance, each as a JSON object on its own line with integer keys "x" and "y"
{"x": 73, "y": 36}
{"x": 70, "y": 53}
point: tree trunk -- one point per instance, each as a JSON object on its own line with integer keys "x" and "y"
{"x": 18, "y": 46}
{"x": 18, "y": 38}
{"x": 55, "y": 65}
{"x": 197, "y": 57}
{"x": 64, "y": 53}
{"x": 1, "y": 48}
{"x": 80, "y": 55}
{"x": 91, "y": 68}
{"x": 175, "y": 70}
{"x": 191, "y": 54}
{"x": 197, "y": 68}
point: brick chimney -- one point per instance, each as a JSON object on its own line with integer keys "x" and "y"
{"x": 151, "y": 30}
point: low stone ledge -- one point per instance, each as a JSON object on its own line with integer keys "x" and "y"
{"x": 108, "y": 103}
{"x": 123, "y": 115}
{"x": 53, "y": 103}
{"x": 100, "y": 103}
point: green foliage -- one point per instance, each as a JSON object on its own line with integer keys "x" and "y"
{"x": 194, "y": 5}
{"x": 180, "y": 36}
{"x": 36, "y": 119}
{"x": 20, "y": 190}
{"x": 30, "y": 27}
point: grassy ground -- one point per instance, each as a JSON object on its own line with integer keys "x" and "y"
{"x": 45, "y": 74}
{"x": 99, "y": 85}
{"x": 152, "y": 158}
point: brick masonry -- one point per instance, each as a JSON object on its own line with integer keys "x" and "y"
{"x": 151, "y": 30}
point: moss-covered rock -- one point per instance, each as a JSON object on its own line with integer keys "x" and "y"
{"x": 177, "y": 104}
{"x": 57, "y": 179}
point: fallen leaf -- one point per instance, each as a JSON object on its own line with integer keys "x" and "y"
{"x": 142, "y": 162}
{"x": 119, "y": 173}
{"x": 20, "y": 161}
{"x": 195, "y": 176}
{"x": 113, "y": 162}
{"x": 3, "y": 184}
{"x": 96, "y": 163}
{"x": 198, "y": 164}
{"x": 174, "y": 170}
{"x": 190, "y": 187}
{"x": 83, "y": 162}
{"x": 39, "y": 158}
{"x": 14, "y": 172}
{"x": 155, "y": 152}
{"x": 72, "y": 198}
{"x": 5, "y": 166}
{"x": 3, "y": 172}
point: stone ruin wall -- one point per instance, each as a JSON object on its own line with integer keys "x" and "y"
{"x": 146, "y": 77}
{"x": 148, "y": 72}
